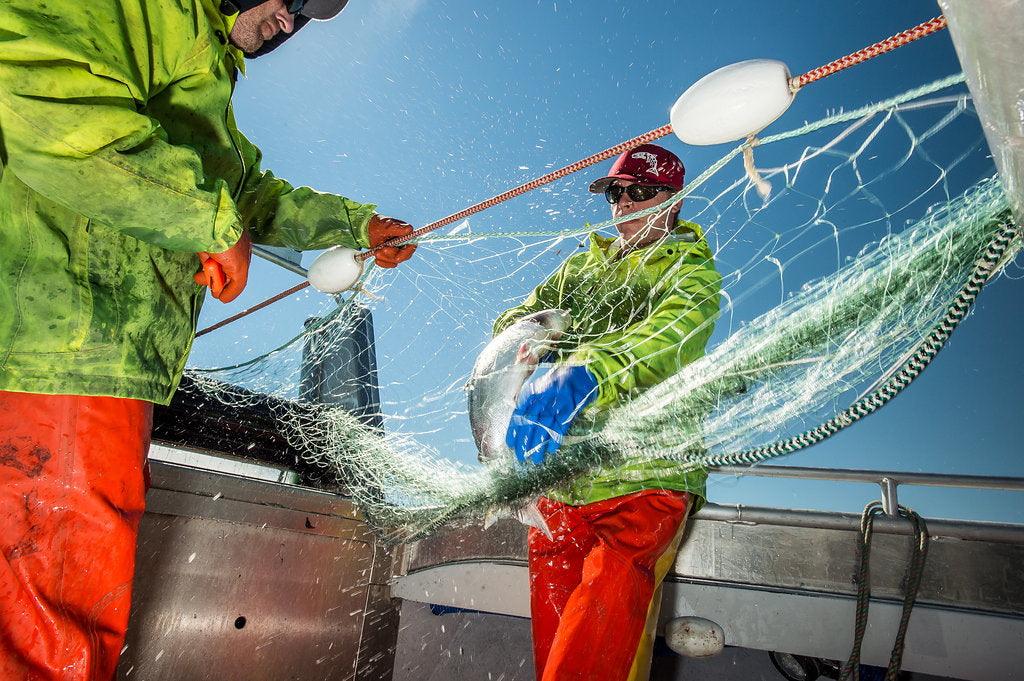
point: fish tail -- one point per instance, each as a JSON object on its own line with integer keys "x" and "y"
{"x": 531, "y": 515}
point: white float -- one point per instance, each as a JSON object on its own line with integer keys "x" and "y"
{"x": 694, "y": 637}
{"x": 335, "y": 270}
{"x": 732, "y": 103}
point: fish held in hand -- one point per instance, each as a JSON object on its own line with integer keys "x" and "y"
{"x": 500, "y": 371}
{"x": 498, "y": 374}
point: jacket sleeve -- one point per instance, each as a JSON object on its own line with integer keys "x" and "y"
{"x": 74, "y": 129}
{"x": 71, "y": 130}
{"x": 673, "y": 334}
{"x": 278, "y": 214}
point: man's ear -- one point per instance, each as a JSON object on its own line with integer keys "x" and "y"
{"x": 673, "y": 213}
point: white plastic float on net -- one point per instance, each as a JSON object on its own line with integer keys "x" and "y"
{"x": 733, "y": 103}
{"x": 335, "y": 270}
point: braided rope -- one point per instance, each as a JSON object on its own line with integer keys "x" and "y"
{"x": 898, "y": 40}
{"x": 851, "y": 670}
{"x": 249, "y": 310}
{"x": 476, "y": 208}
{"x": 913, "y": 582}
{"x": 795, "y": 84}
{"x": 920, "y": 31}
{"x": 911, "y": 369}
{"x": 912, "y": 579}
{"x": 529, "y": 186}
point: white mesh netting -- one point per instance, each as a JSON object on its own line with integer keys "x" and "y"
{"x": 875, "y": 221}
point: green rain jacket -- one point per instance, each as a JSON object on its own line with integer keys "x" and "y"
{"x": 120, "y": 161}
{"x": 636, "y": 320}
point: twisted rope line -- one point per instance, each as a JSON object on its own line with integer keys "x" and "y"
{"x": 898, "y": 40}
{"x": 529, "y": 186}
{"x": 795, "y": 84}
{"x": 851, "y": 671}
{"x": 476, "y": 208}
{"x": 255, "y": 308}
{"x": 887, "y": 45}
{"x": 911, "y": 369}
{"x": 915, "y": 571}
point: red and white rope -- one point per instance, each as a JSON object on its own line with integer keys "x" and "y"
{"x": 927, "y": 28}
{"x": 529, "y": 186}
{"x": 898, "y": 40}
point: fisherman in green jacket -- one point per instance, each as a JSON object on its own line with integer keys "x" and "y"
{"x": 124, "y": 187}
{"x": 643, "y": 306}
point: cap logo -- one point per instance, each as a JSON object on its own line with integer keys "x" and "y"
{"x": 651, "y": 159}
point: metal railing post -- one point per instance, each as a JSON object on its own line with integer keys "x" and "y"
{"x": 889, "y": 502}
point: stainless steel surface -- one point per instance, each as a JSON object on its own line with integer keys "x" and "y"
{"x": 474, "y": 585}
{"x": 981, "y": 575}
{"x": 246, "y": 579}
{"x": 505, "y": 542}
{"x": 947, "y": 642}
{"x": 855, "y": 475}
{"x": 463, "y": 647}
{"x": 981, "y": 568}
{"x": 488, "y": 647}
{"x": 890, "y": 504}
{"x": 195, "y": 458}
{"x": 282, "y": 257}
{"x": 999, "y": 533}
{"x": 959, "y": 644}
{"x": 780, "y": 579}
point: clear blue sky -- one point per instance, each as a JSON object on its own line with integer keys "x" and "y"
{"x": 425, "y": 108}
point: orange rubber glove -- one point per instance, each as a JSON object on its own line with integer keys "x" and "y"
{"x": 380, "y": 230}
{"x": 226, "y": 273}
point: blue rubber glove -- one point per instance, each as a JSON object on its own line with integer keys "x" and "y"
{"x": 545, "y": 410}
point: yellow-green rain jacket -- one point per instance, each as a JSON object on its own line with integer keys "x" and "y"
{"x": 636, "y": 320}
{"x": 120, "y": 161}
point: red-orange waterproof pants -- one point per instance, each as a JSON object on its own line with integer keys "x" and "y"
{"x": 71, "y": 496}
{"x": 595, "y": 591}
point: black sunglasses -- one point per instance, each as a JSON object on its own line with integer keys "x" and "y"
{"x": 295, "y": 6}
{"x": 636, "y": 192}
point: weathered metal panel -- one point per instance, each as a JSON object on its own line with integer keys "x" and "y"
{"x": 776, "y": 579}
{"x": 959, "y": 573}
{"x": 958, "y": 644}
{"x": 970, "y": 565}
{"x": 505, "y": 540}
{"x": 245, "y": 579}
{"x": 378, "y": 641}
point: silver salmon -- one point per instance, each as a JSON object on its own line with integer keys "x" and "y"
{"x": 498, "y": 374}
{"x": 500, "y": 371}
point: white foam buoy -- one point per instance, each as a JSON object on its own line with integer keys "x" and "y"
{"x": 694, "y": 637}
{"x": 732, "y": 103}
{"x": 335, "y": 270}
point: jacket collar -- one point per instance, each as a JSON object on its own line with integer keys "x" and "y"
{"x": 222, "y": 23}
{"x": 607, "y": 248}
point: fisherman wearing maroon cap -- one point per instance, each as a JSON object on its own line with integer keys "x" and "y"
{"x": 643, "y": 306}
{"x": 125, "y": 190}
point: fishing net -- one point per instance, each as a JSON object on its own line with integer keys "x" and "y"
{"x": 838, "y": 287}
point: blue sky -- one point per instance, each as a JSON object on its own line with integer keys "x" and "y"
{"x": 425, "y": 108}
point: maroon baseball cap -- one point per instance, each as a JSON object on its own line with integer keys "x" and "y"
{"x": 646, "y": 164}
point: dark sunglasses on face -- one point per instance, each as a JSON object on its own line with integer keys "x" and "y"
{"x": 295, "y": 6}
{"x": 636, "y": 192}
